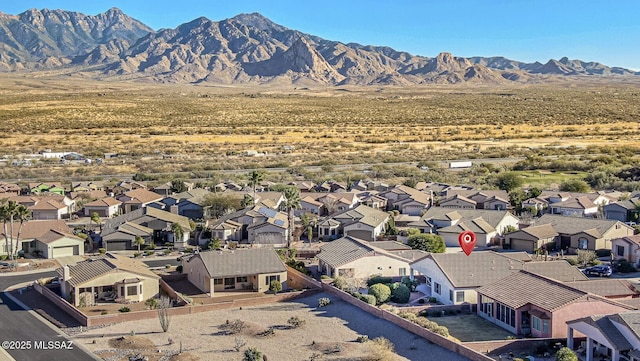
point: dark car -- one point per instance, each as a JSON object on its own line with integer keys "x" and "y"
{"x": 602, "y": 270}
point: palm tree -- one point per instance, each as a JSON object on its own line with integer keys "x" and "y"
{"x": 4, "y": 217}
{"x": 138, "y": 241}
{"x": 7, "y": 215}
{"x": 22, "y": 214}
{"x": 292, "y": 201}
{"x": 255, "y": 178}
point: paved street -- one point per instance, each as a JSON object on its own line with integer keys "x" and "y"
{"x": 20, "y": 325}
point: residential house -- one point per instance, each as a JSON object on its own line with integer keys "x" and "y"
{"x": 326, "y": 203}
{"x": 226, "y": 231}
{"x": 47, "y": 238}
{"x": 614, "y": 337}
{"x": 151, "y": 224}
{"x": 303, "y": 186}
{"x": 576, "y": 207}
{"x": 497, "y": 200}
{"x": 106, "y": 207}
{"x": 166, "y": 189}
{"x": 361, "y": 222}
{"x": 627, "y": 248}
{"x": 87, "y": 186}
{"x": 488, "y": 225}
{"x": 52, "y": 206}
{"x": 126, "y": 186}
{"x": 407, "y": 200}
{"x": 189, "y": 204}
{"x": 532, "y": 238}
{"x": 568, "y": 203}
{"x": 585, "y": 233}
{"x": 623, "y": 211}
{"x": 454, "y": 277}
{"x": 373, "y": 200}
{"x": 40, "y": 188}
{"x": 458, "y": 201}
{"x": 259, "y": 225}
{"x": 9, "y": 189}
{"x": 107, "y": 279}
{"x": 354, "y": 258}
{"x": 309, "y": 204}
{"x": 138, "y": 198}
{"x": 241, "y": 269}
{"x": 529, "y": 304}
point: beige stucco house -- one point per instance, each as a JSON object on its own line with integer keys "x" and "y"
{"x": 47, "y": 238}
{"x": 107, "y": 279}
{"x": 240, "y": 269}
{"x": 627, "y": 248}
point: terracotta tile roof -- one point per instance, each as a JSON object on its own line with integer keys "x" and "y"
{"x": 53, "y": 235}
{"x": 542, "y": 231}
{"x": 142, "y": 195}
{"x": 35, "y": 228}
{"x": 240, "y": 262}
{"x": 574, "y": 225}
{"x": 48, "y": 205}
{"x": 609, "y": 288}
{"x": 90, "y": 269}
{"x": 477, "y": 225}
{"x": 105, "y": 202}
{"x": 344, "y": 250}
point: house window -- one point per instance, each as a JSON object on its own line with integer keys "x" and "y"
{"x": 229, "y": 283}
{"x": 460, "y": 296}
{"x": 545, "y": 326}
{"x": 436, "y": 287}
{"x": 583, "y": 243}
{"x": 217, "y": 281}
{"x": 486, "y": 306}
{"x": 272, "y": 278}
{"x": 620, "y": 251}
{"x": 451, "y": 295}
{"x": 506, "y": 314}
{"x": 402, "y": 271}
{"x": 132, "y": 290}
{"x": 241, "y": 279}
{"x": 539, "y": 324}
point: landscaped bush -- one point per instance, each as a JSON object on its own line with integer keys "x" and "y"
{"x": 362, "y": 338}
{"x": 381, "y": 292}
{"x": 102, "y": 250}
{"x": 152, "y": 303}
{"x": 400, "y": 293}
{"x": 124, "y": 309}
{"x": 623, "y": 266}
{"x": 433, "y": 300}
{"x": 298, "y": 266}
{"x": 324, "y": 301}
{"x": 340, "y": 283}
{"x": 370, "y": 299}
{"x": 378, "y": 279}
{"x": 411, "y": 284}
{"x": 179, "y": 269}
{"x": 572, "y": 261}
{"x": 296, "y": 322}
{"x": 425, "y": 323}
{"x": 167, "y": 252}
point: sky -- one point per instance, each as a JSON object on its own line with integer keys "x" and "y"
{"x": 525, "y": 30}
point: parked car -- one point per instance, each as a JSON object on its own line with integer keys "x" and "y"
{"x": 602, "y": 270}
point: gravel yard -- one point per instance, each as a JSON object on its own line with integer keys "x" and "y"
{"x": 331, "y": 330}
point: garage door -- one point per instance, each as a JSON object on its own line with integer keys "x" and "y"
{"x": 521, "y": 245}
{"x": 361, "y": 234}
{"x": 118, "y": 245}
{"x": 65, "y": 251}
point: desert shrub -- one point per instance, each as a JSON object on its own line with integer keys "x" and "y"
{"x": 252, "y": 354}
{"x": 167, "y": 251}
{"x": 102, "y": 250}
{"x": 340, "y": 283}
{"x": 362, "y": 338}
{"x": 296, "y": 322}
{"x": 234, "y": 327}
{"x": 275, "y": 286}
{"x": 400, "y": 293}
{"x": 433, "y": 300}
{"x": 152, "y": 303}
{"x": 124, "y": 309}
{"x": 179, "y": 269}
{"x": 380, "y": 349}
{"x": 325, "y": 277}
{"x": 585, "y": 256}
{"x": 623, "y": 266}
{"x": 381, "y": 292}
{"x": 323, "y": 301}
{"x": 572, "y": 261}
{"x": 104, "y": 312}
{"x": 378, "y": 279}
{"x": 425, "y": 323}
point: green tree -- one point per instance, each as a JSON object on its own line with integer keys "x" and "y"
{"x": 509, "y": 229}
{"x": 178, "y": 186}
{"x": 214, "y": 244}
{"x": 292, "y": 201}
{"x": 178, "y": 232}
{"x": 534, "y": 192}
{"x": 427, "y": 242}
{"x": 574, "y": 185}
{"x": 10, "y": 212}
{"x": 508, "y": 181}
{"x": 218, "y": 205}
{"x": 255, "y": 178}
{"x": 247, "y": 201}
{"x": 275, "y": 286}
{"x": 400, "y": 293}
{"x": 381, "y": 292}
{"x": 566, "y": 354}
{"x": 138, "y": 241}
{"x": 95, "y": 218}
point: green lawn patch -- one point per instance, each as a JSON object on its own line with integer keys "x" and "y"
{"x": 468, "y": 328}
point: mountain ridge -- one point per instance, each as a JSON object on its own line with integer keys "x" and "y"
{"x": 247, "y": 48}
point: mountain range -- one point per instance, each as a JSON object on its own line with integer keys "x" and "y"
{"x": 247, "y": 48}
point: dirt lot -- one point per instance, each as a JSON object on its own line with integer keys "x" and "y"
{"x": 329, "y": 331}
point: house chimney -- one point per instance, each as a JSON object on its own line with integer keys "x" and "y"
{"x": 174, "y": 209}
{"x": 66, "y": 274}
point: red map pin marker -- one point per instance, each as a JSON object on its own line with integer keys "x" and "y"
{"x": 467, "y": 240}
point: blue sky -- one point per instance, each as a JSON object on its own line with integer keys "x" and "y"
{"x": 524, "y": 30}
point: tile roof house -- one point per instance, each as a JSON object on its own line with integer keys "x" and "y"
{"x": 584, "y": 233}
{"x": 407, "y": 200}
{"x": 488, "y": 225}
{"x": 9, "y": 189}
{"x": 526, "y": 303}
{"x": 615, "y": 336}
{"x": 454, "y": 277}
{"x": 259, "y": 225}
{"x": 189, "y": 203}
{"x": 326, "y": 203}
{"x": 628, "y": 248}
{"x": 106, "y": 207}
{"x": 532, "y": 238}
{"x": 107, "y": 279}
{"x": 483, "y": 199}
{"x": 166, "y": 189}
{"x": 87, "y": 186}
{"x": 458, "y": 201}
{"x": 49, "y": 238}
{"x": 618, "y": 289}
{"x": 361, "y": 222}
{"x": 623, "y": 211}
{"x": 237, "y": 270}
{"x": 40, "y": 188}
{"x": 577, "y": 207}
{"x": 354, "y": 258}
{"x": 126, "y": 186}
{"x": 137, "y": 198}
{"x": 52, "y": 206}
{"x": 156, "y": 226}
